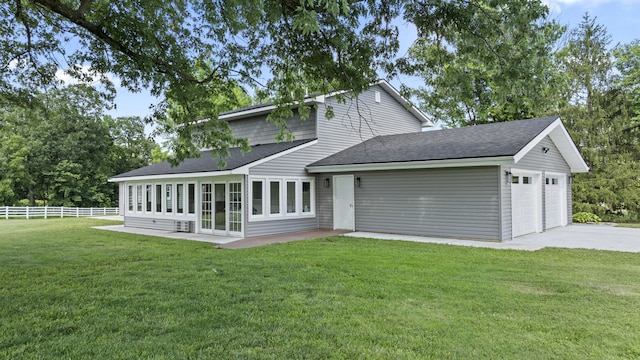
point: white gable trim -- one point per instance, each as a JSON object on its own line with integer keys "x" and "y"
{"x": 492, "y": 161}
{"x": 560, "y": 137}
{"x": 243, "y": 170}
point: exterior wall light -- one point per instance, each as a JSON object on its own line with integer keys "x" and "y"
{"x": 327, "y": 182}
{"x": 357, "y": 182}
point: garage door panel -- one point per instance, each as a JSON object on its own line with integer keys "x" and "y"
{"x": 524, "y": 205}
{"x": 555, "y": 200}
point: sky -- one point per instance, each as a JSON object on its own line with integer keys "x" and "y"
{"x": 620, "y": 17}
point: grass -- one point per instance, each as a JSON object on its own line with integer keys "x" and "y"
{"x": 68, "y": 291}
{"x": 629, "y": 225}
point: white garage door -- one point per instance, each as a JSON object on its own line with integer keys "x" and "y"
{"x": 524, "y": 204}
{"x": 555, "y": 198}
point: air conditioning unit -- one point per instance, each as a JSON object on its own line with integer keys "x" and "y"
{"x": 185, "y": 226}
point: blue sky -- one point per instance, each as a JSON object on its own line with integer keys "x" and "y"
{"x": 620, "y": 17}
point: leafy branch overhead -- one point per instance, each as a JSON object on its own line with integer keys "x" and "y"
{"x": 298, "y": 46}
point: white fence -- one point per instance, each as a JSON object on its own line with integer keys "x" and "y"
{"x": 53, "y": 211}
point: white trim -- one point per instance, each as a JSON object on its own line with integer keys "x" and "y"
{"x": 501, "y": 160}
{"x": 561, "y": 138}
{"x": 266, "y": 198}
{"x": 243, "y": 170}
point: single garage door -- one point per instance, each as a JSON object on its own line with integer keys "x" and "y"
{"x": 555, "y": 199}
{"x": 524, "y": 203}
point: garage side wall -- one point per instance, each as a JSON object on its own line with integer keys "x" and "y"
{"x": 454, "y": 202}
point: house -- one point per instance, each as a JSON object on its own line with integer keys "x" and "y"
{"x": 370, "y": 168}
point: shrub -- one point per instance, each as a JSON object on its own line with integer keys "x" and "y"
{"x": 585, "y": 217}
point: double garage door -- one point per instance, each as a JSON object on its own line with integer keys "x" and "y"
{"x": 527, "y": 205}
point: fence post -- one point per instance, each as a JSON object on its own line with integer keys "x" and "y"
{"x": 27, "y": 212}
{"x": 45, "y": 212}
{"x": 61, "y": 211}
{"x": 6, "y": 212}
{"x": 77, "y": 212}
{"x": 104, "y": 211}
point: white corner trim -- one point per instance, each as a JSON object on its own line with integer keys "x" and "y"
{"x": 493, "y": 161}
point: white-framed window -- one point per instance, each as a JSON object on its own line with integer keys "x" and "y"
{"x": 291, "y": 196}
{"x": 308, "y": 197}
{"x": 158, "y": 198}
{"x": 130, "y": 195}
{"x": 139, "y": 198}
{"x": 257, "y": 197}
{"x": 274, "y": 197}
{"x": 180, "y": 198}
{"x": 148, "y": 198}
{"x": 191, "y": 198}
{"x": 168, "y": 189}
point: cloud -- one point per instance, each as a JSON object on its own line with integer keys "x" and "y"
{"x": 84, "y": 74}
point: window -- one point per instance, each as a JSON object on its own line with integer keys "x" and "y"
{"x": 191, "y": 198}
{"x": 280, "y": 198}
{"x": 291, "y": 197}
{"x": 130, "y": 197}
{"x": 148, "y": 198}
{"x": 554, "y": 181}
{"x": 180, "y": 198}
{"x": 169, "y": 203}
{"x": 515, "y": 179}
{"x": 139, "y": 197}
{"x": 527, "y": 180}
{"x": 158, "y": 198}
{"x": 306, "y": 197}
{"x": 256, "y": 197}
{"x": 274, "y": 197}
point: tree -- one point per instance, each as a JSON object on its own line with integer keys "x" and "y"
{"x": 597, "y": 113}
{"x": 62, "y": 151}
{"x": 161, "y": 45}
{"x": 484, "y": 61}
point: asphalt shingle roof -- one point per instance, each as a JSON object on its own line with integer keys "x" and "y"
{"x": 207, "y": 162}
{"x": 480, "y": 141}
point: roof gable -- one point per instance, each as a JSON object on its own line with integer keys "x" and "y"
{"x": 504, "y": 141}
{"x": 266, "y": 108}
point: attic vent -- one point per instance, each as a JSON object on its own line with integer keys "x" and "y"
{"x": 377, "y": 95}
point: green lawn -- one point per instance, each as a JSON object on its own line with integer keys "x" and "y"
{"x": 629, "y": 225}
{"x": 68, "y": 291}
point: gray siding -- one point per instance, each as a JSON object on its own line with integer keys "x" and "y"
{"x": 262, "y": 228}
{"x": 452, "y": 202}
{"x": 535, "y": 160}
{"x": 539, "y": 161}
{"x": 292, "y": 164}
{"x": 505, "y": 206}
{"x": 324, "y": 201}
{"x": 150, "y": 223}
{"x": 259, "y": 131}
{"x": 361, "y": 119}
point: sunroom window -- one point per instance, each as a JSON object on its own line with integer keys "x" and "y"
{"x": 274, "y": 197}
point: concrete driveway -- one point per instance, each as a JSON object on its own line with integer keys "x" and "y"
{"x": 598, "y": 237}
